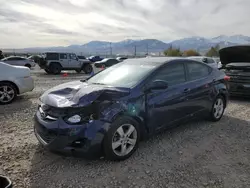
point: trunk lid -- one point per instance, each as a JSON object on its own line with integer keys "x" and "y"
{"x": 235, "y": 54}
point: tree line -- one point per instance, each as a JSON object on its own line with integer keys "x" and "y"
{"x": 212, "y": 52}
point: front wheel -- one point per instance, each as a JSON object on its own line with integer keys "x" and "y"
{"x": 78, "y": 71}
{"x": 122, "y": 139}
{"x": 218, "y": 109}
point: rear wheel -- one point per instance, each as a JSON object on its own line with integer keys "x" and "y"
{"x": 218, "y": 108}
{"x": 87, "y": 69}
{"x": 78, "y": 71}
{"x": 47, "y": 71}
{"x": 122, "y": 139}
{"x": 8, "y": 93}
{"x": 55, "y": 68}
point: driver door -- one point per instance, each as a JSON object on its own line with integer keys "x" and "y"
{"x": 73, "y": 61}
{"x": 165, "y": 107}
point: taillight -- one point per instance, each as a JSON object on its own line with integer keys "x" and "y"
{"x": 227, "y": 78}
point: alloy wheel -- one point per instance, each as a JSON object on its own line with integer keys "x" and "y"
{"x": 7, "y": 94}
{"x": 218, "y": 108}
{"x": 124, "y": 140}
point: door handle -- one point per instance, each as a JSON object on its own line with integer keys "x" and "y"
{"x": 187, "y": 90}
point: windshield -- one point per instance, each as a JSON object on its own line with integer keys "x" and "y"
{"x": 122, "y": 75}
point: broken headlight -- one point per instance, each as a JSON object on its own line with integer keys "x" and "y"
{"x": 74, "y": 119}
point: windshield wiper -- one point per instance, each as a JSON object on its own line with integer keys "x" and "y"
{"x": 84, "y": 80}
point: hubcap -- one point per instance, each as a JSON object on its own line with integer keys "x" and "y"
{"x": 124, "y": 140}
{"x": 6, "y": 94}
{"x": 218, "y": 108}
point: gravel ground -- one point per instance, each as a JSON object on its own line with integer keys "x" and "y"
{"x": 197, "y": 154}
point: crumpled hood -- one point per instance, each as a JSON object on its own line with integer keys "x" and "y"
{"x": 79, "y": 94}
{"x": 235, "y": 54}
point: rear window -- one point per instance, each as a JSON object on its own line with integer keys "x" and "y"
{"x": 52, "y": 56}
{"x": 197, "y": 70}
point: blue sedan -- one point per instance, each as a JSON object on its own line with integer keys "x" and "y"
{"x": 110, "y": 112}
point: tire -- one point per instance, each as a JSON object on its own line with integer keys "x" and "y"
{"x": 28, "y": 66}
{"x": 8, "y": 93}
{"x": 114, "y": 141}
{"x": 55, "y": 68}
{"x": 216, "y": 113}
{"x": 87, "y": 68}
{"x": 78, "y": 71}
{"x": 47, "y": 71}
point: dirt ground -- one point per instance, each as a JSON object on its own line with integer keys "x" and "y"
{"x": 196, "y": 154}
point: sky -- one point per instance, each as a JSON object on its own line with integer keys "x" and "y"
{"x": 44, "y": 23}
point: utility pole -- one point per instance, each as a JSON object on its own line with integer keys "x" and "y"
{"x": 135, "y": 51}
{"x": 147, "y": 48}
{"x": 110, "y": 49}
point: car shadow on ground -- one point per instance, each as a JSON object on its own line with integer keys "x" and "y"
{"x": 20, "y": 103}
{"x": 195, "y": 152}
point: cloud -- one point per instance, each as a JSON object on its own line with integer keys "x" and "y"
{"x": 27, "y": 23}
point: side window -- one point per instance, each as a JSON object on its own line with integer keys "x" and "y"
{"x": 197, "y": 70}
{"x": 172, "y": 74}
{"x": 72, "y": 56}
{"x": 63, "y": 56}
{"x": 11, "y": 59}
{"x": 20, "y": 58}
{"x": 111, "y": 62}
{"x": 210, "y": 61}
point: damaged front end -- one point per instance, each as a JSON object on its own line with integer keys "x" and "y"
{"x": 76, "y": 116}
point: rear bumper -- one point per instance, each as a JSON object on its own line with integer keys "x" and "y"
{"x": 79, "y": 140}
{"x": 239, "y": 89}
{"x": 25, "y": 84}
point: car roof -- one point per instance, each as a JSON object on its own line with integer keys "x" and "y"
{"x": 15, "y": 56}
{"x": 153, "y": 60}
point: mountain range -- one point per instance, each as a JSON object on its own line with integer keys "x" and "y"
{"x": 129, "y": 46}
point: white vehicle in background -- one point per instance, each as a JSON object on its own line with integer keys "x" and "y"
{"x": 121, "y": 58}
{"x": 14, "y": 80}
{"x": 103, "y": 64}
{"x": 19, "y": 61}
{"x": 208, "y": 60}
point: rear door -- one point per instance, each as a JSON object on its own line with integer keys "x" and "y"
{"x": 64, "y": 60}
{"x": 199, "y": 86}
{"x": 167, "y": 106}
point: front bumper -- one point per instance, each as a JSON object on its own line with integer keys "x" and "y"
{"x": 58, "y": 136}
{"x": 239, "y": 89}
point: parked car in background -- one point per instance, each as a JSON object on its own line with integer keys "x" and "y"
{"x": 110, "y": 112}
{"x": 121, "y": 58}
{"x": 81, "y": 57}
{"x": 208, "y": 60}
{"x": 235, "y": 62}
{"x": 14, "y": 80}
{"x": 105, "y": 63}
{"x": 19, "y": 61}
{"x": 94, "y": 58}
{"x": 55, "y": 62}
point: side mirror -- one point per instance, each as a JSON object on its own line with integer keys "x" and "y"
{"x": 157, "y": 85}
{"x": 204, "y": 60}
